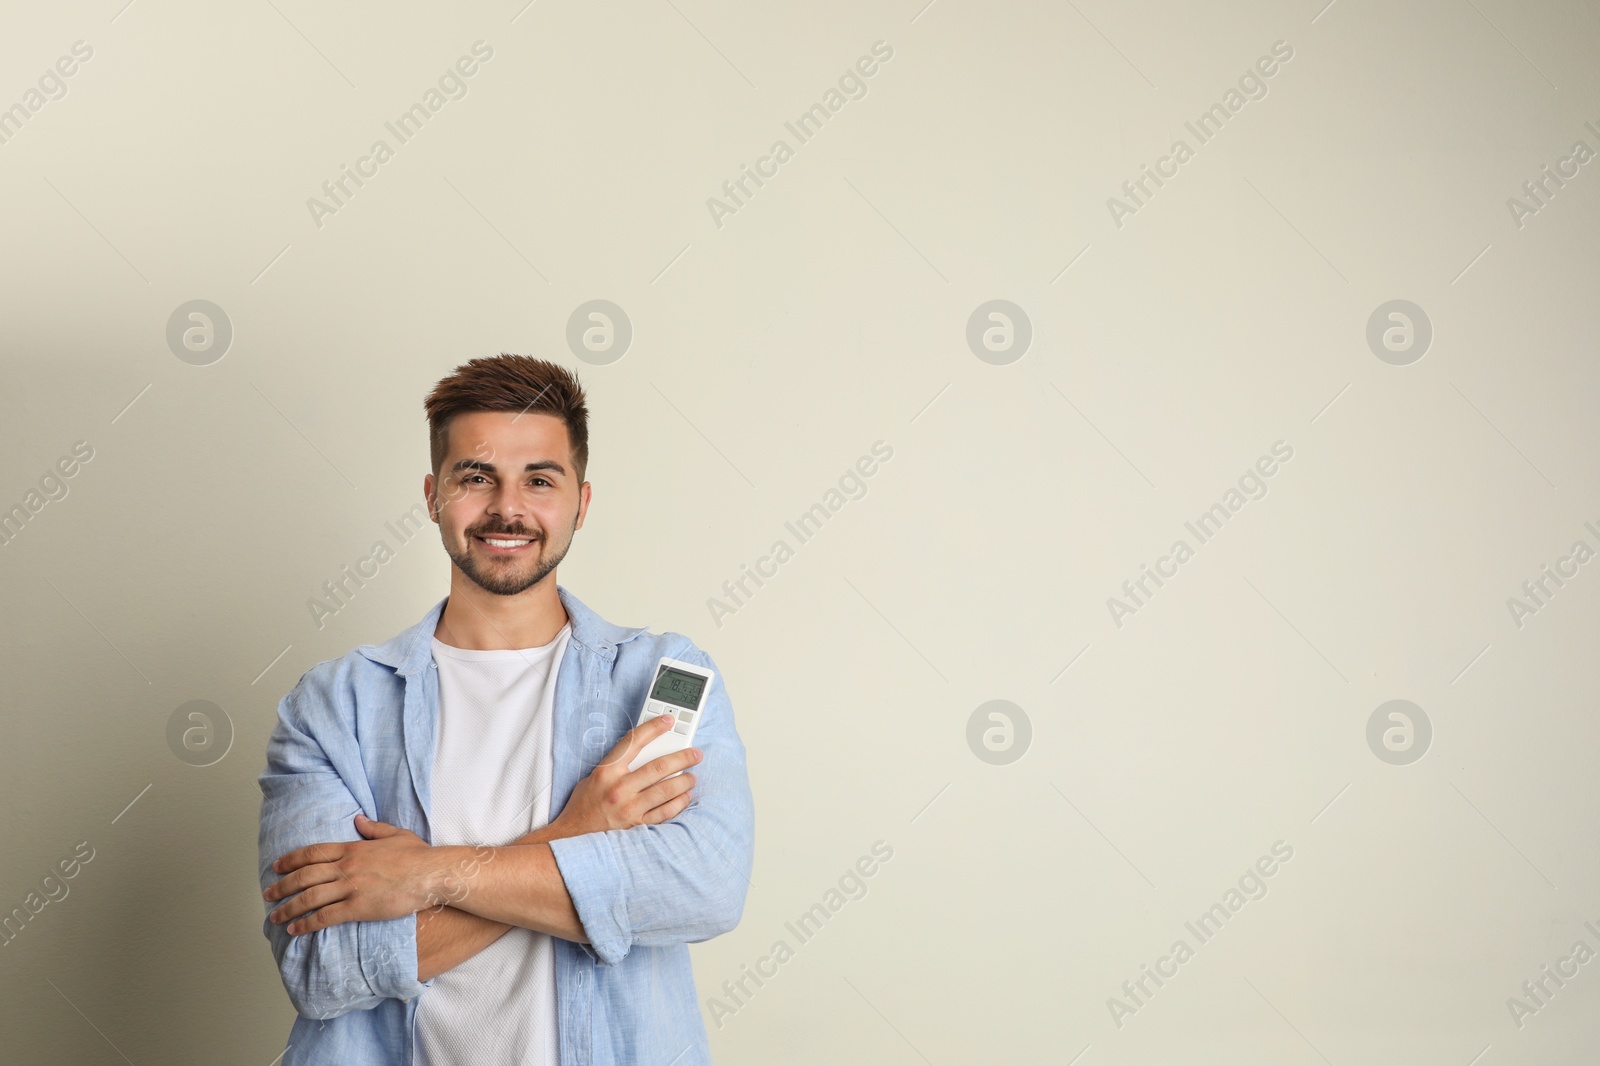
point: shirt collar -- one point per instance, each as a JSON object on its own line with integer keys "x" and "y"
{"x": 411, "y": 650}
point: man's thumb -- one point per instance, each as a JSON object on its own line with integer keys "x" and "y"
{"x": 374, "y": 829}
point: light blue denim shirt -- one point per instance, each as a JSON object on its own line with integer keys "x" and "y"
{"x": 357, "y": 734}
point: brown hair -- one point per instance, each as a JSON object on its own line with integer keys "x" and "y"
{"x": 508, "y": 382}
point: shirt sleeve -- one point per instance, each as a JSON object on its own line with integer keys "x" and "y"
{"x": 305, "y": 800}
{"x": 682, "y": 881}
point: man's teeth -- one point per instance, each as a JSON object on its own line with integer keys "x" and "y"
{"x": 504, "y": 543}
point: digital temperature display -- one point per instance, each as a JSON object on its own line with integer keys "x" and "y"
{"x": 678, "y": 688}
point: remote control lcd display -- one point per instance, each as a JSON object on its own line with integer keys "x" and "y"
{"x": 678, "y": 688}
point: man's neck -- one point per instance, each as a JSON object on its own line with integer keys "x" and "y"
{"x": 478, "y": 620}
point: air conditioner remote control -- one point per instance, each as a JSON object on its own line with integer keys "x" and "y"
{"x": 680, "y": 689}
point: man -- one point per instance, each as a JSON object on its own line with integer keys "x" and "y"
{"x": 457, "y": 865}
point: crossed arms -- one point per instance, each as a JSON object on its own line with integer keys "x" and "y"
{"x": 627, "y": 861}
{"x": 465, "y": 897}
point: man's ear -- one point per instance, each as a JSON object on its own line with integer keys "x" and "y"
{"x": 429, "y": 498}
{"x": 583, "y": 504}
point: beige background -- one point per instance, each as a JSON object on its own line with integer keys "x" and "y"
{"x": 769, "y": 354}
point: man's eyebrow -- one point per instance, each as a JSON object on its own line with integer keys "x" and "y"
{"x": 489, "y": 468}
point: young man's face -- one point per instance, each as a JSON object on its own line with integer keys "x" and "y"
{"x": 507, "y": 498}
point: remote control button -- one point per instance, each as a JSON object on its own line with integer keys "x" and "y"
{"x": 681, "y": 727}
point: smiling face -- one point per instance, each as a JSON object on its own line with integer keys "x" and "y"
{"x": 507, "y": 498}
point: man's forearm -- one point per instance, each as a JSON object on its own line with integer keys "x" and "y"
{"x": 519, "y": 884}
{"x": 449, "y": 935}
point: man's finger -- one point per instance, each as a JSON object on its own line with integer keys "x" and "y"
{"x": 309, "y": 900}
{"x": 332, "y": 851}
{"x": 668, "y": 810}
{"x": 634, "y": 740}
{"x": 667, "y": 790}
{"x": 333, "y": 914}
{"x": 671, "y": 762}
{"x": 374, "y": 828}
{"x": 316, "y": 874}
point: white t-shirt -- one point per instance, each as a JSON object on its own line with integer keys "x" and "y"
{"x": 491, "y": 784}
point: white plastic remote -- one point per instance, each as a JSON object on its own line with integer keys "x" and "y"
{"x": 680, "y": 689}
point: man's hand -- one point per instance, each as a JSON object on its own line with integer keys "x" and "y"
{"x": 613, "y": 798}
{"x": 391, "y": 874}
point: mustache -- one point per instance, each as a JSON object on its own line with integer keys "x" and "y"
{"x": 535, "y": 534}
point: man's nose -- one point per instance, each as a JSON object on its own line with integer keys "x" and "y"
{"x": 507, "y": 502}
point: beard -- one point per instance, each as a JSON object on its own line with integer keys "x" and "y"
{"x": 506, "y": 577}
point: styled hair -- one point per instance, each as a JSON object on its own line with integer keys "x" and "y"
{"x": 508, "y": 382}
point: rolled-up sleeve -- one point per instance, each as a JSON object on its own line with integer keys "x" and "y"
{"x": 682, "y": 881}
{"x": 305, "y": 800}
